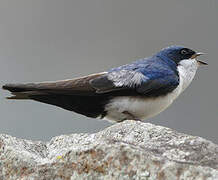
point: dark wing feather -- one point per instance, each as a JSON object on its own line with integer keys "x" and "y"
{"x": 159, "y": 84}
{"x": 74, "y": 95}
{"x": 80, "y": 86}
{"x": 118, "y": 80}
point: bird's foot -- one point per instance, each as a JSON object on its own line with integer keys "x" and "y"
{"x": 130, "y": 116}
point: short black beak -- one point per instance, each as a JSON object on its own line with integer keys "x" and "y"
{"x": 201, "y": 62}
{"x": 198, "y": 54}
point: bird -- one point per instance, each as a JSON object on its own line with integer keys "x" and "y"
{"x": 135, "y": 91}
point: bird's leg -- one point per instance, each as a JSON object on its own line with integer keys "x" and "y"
{"x": 131, "y": 116}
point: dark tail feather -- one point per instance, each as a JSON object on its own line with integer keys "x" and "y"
{"x": 21, "y": 91}
{"x": 19, "y": 87}
{"x": 91, "y": 106}
{"x": 31, "y": 91}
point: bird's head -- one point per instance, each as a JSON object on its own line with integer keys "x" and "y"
{"x": 180, "y": 54}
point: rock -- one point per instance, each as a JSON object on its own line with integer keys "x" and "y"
{"x": 129, "y": 150}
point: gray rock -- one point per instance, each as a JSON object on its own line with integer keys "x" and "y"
{"x": 128, "y": 150}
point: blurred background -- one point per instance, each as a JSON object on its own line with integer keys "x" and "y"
{"x": 53, "y": 40}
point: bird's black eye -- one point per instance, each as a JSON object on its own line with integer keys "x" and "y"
{"x": 184, "y": 52}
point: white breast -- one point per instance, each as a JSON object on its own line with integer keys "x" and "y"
{"x": 143, "y": 108}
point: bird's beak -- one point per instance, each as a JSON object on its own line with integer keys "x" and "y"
{"x": 198, "y": 54}
{"x": 201, "y": 63}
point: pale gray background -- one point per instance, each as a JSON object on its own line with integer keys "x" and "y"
{"x": 59, "y": 39}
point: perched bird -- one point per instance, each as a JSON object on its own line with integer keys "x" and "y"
{"x": 136, "y": 91}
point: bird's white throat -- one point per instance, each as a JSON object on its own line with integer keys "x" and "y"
{"x": 187, "y": 69}
{"x": 143, "y": 108}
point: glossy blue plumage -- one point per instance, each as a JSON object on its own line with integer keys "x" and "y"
{"x": 153, "y": 76}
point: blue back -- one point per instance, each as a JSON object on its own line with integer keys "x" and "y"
{"x": 152, "y": 67}
{"x": 153, "y": 76}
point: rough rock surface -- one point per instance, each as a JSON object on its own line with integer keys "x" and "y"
{"x": 128, "y": 150}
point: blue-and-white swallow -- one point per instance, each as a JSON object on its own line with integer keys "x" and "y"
{"x": 138, "y": 90}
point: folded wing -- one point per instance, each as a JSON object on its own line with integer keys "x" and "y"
{"x": 136, "y": 83}
{"x": 74, "y": 95}
{"x": 77, "y": 86}
{"x": 88, "y": 95}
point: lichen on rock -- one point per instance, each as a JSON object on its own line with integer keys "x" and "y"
{"x": 129, "y": 151}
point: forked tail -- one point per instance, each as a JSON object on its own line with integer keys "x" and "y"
{"x": 22, "y": 91}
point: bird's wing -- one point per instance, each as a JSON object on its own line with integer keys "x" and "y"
{"x": 77, "y": 86}
{"x": 148, "y": 83}
{"x": 118, "y": 80}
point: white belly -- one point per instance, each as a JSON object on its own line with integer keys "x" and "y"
{"x": 141, "y": 108}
